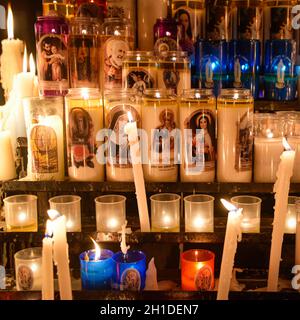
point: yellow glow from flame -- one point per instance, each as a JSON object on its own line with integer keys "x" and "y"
{"x": 10, "y": 23}
{"x": 49, "y": 228}
{"x": 129, "y": 115}
{"x": 286, "y": 146}
{"x": 85, "y": 93}
{"x": 31, "y": 64}
{"x": 25, "y": 60}
{"x": 229, "y": 206}
{"x": 97, "y": 250}
{"x": 22, "y": 217}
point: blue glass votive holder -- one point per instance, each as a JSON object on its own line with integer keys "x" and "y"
{"x": 96, "y": 274}
{"x": 129, "y": 271}
{"x": 245, "y": 65}
{"x": 280, "y": 76}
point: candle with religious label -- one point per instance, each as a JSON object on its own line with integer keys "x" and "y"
{"x": 47, "y": 264}
{"x": 235, "y": 135}
{"x": 129, "y": 267}
{"x": 61, "y": 254}
{"x": 232, "y": 236}
{"x": 174, "y": 71}
{"x": 51, "y": 33}
{"x": 197, "y": 114}
{"x": 84, "y": 120}
{"x": 160, "y": 122}
{"x": 269, "y": 131}
{"x": 118, "y": 103}
{"x": 139, "y": 71}
{"x": 138, "y": 174}
{"x": 96, "y": 268}
{"x": 63, "y": 8}
{"x": 197, "y": 270}
{"x": 44, "y": 122}
{"x": 281, "y": 189}
{"x": 116, "y": 39}
{"x": 11, "y": 58}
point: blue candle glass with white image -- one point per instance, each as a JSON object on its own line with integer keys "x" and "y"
{"x": 129, "y": 271}
{"x": 96, "y": 269}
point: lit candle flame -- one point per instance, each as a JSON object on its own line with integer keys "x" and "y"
{"x": 25, "y": 60}
{"x": 85, "y": 93}
{"x": 97, "y": 250}
{"x": 129, "y": 115}
{"x": 286, "y": 146}
{"x": 22, "y": 217}
{"x": 229, "y": 206}
{"x": 10, "y": 23}
{"x": 32, "y": 64}
{"x": 49, "y": 229}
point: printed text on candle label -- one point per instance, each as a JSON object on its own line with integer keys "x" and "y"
{"x": 167, "y": 309}
{"x": 296, "y": 278}
{"x": 2, "y": 278}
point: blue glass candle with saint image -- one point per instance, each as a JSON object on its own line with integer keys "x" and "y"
{"x": 96, "y": 273}
{"x": 245, "y": 65}
{"x": 211, "y": 64}
{"x": 129, "y": 271}
{"x": 280, "y": 77}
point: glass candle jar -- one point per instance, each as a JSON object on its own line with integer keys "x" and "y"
{"x": 21, "y": 213}
{"x": 235, "y": 135}
{"x": 199, "y": 213}
{"x": 69, "y": 206}
{"x": 165, "y": 212}
{"x": 148, "y": 12}
{"x": 166, "y": 35}
{"x": 174, "y": 71}
{"x": 251, "y": 212}
{"x": 160, "y": 121}
{"x": 218, "y": 20}
{"x": 139, "y": 71}
{"x": 84, "y": 120}
{"x": 118, "y": 104}
{"x": 63, "y": 8}
{"x": 28, "y": 266}
{"x": 116, "y": 39}
{"x": 197, "y": 270}
{"x": 45, "y": 135}
{"x": 191, "y": 16}
{"x": 84, "y": 46}
{"x": 291, "y": 218}
{"x": 51, "y": 35}
{"x": 96, "y": 273}
{"x": 268, "y": 147}
{"x": 197, "y": 115}
{"x": 110, "y": 213}
{"x": 129, "y": 271}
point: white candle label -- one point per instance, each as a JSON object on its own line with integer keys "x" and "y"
{"x": 53, "y": 63}
{"x": 25, "y": 278}
{"x": 166, "y": 44}
{"x": 114, "y": 50}
{"x": 138, "y": 78}
{"x": 130, "y": 280}
{"x": 84, "y": 66}
{"x": 43, "y": 142}
{"x": 244, "y": 144}
{"x": 203, "y": 149}
{"x": 118, "y": 145}
{"x": 204, "y": 279}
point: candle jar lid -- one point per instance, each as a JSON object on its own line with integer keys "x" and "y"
{"x": 269, "y": 125}
{"x": 159, "y": 95}
{"x": 84, "y": 93}
{"x": 118, "y": 94}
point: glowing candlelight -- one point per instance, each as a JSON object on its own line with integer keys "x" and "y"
{"x": 97, "y": 250}
{"x": 10, "y": 23}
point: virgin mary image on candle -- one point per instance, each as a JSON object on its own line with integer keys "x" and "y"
{"x": 118, "y": 153}
{"x": 186, "y": 42}
{"x": 115, "y": 51}
{"x": 52, "y": 59}
{"x": 204, "y": 279}
{"x": 43, "y": 142}
{"x": 25, "y": 278}
{"x": 131, "y": 280}
{"x": 81, "y": 139}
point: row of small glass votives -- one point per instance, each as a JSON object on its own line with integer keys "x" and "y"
{"x": 21, "y": 212}
{"x": 116, "y": 271}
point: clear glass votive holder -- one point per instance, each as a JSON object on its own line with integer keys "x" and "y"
{"x": 21, "y": 213}
{"x": 110, "y": 213}
{"x": 291, "y": 217}
{"x": 199, "y": 213}
{"x": 69, "y": 206}
{"x": 28, "y": 267}
{"x": 251, "y": 212}
{"x": 165, "y": 212}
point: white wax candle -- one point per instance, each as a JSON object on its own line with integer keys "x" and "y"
{"x": 281, "y": 189}
{"x": 131, "y": 130}
{"x": 47, "y": 265}
{"x": 294, "y": 142}
{"x": 61, "y": 256}
{"x": 232, "y": 236}
{"x": 7, "y": 162}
